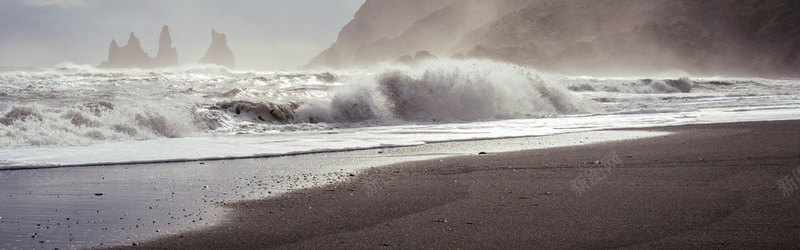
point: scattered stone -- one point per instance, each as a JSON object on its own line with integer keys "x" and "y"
{"x": 441, "y": 220}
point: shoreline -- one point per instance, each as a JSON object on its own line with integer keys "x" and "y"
{"x": 226, "y": 148}
{"x": 711, "y": 185}
{"x": 125, "y": 204}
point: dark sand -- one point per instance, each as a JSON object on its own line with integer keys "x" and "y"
{"x": 706, "y": 186}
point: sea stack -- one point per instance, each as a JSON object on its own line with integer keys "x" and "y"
{"x": 218, "y": 53}
{"x": 129, "y": 56}
{"x": 132, "y": 56}
{"x": 167, "y": 55}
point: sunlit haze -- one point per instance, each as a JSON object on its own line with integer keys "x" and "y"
{"x": 275, "y": 34}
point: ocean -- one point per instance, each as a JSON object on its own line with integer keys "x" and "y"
{"x": 76, "y": 115}
{"x": 93, "y": 156}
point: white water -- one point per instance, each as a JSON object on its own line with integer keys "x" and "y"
{"x": 77, "y": 115}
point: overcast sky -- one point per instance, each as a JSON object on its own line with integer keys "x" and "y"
{"x": 263, "y": 34}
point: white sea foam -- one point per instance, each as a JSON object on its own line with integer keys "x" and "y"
{"x": 45, "y": 110}
{"x": 448, "y": 91}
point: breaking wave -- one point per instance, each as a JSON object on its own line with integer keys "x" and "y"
{"x": 639, "y": 86}
{"x": 447, "y": 90}
{"x": 36, "y": 125}
{"x": 75, "y": 105}
{"x": 81, "y": 105}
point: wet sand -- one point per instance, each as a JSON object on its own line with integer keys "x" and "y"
{"x": 705, "y": 186}
{"x": 100, "y": 206}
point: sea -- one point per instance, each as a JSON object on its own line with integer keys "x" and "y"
{"x": 96, "y": 157}
{"x": 78, "y": 115}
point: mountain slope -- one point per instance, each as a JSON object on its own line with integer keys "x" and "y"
{"x": 628, "y": 36}
{"x": 375, "y": 19}
{"x": 588, "y": 37}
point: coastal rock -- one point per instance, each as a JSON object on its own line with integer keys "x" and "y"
{"x": 376, "y": 19}
{"x": 129, "y": 56}
{"x": 418, "y": 57}
{"x": 587, "y": 37}
{"x": 611, "y": 37}
{"x": 133, "y": 56}
{"x": 167, "y": 55}
{"x": 218, "y": 53}
{"x": 438, "y": 32}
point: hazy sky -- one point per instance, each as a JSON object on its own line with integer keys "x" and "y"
{"x": 263, "y": 34}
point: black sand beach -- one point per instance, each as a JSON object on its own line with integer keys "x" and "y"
{"x": 705, "y": 186}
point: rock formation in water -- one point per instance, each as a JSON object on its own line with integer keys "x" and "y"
{"x": 129, "y": 56}
{"x": 167, "y": 55}
{"x": 218, "y": 53}
{"x": 598, "y": 37}
{"x": 416, "y": 59}
{"x": 132, "y": 56}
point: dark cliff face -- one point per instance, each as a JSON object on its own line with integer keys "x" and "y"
{"x": 219, "y": 53}
{"x": 609, "y": 37}
{"x": 593, "y": 37}
{"x": 437, "y": 32}
{"x": 132, "y": 56}
{"x": 376, "y": 19}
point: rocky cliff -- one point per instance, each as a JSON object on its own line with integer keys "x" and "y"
{"x": 376, "y": 19}
{"x": 133, "y": 56}
{"x": 604, "y": 37}
{"x": 219, "y": 53}
{"x": 596, "y": 37}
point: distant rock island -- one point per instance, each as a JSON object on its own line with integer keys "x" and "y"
{"x": 592, "y": 37}
{"x": 133, "y": 56}
{"x": 167, "y": 55}
{"x": 218, "y": 53}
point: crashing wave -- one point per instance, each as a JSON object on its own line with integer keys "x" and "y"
{"x": 448, "y": 90}
{"x": 36, "y": 125}
{"x": 641, "y": 86}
